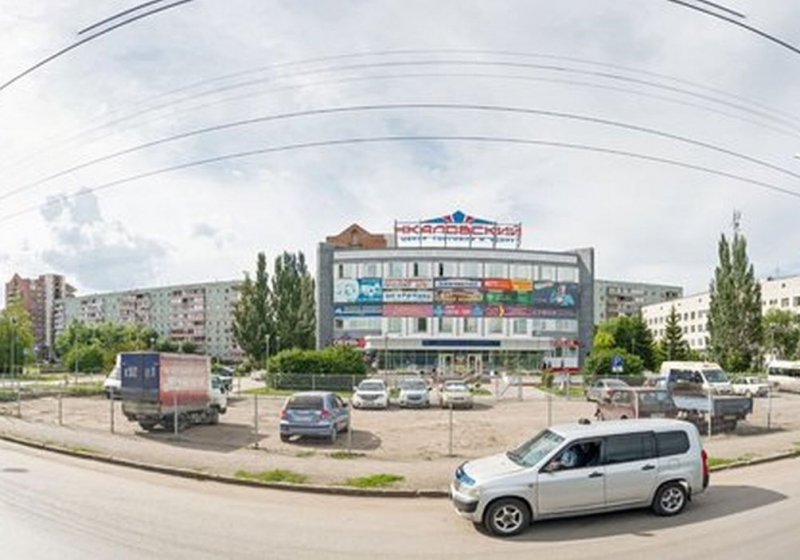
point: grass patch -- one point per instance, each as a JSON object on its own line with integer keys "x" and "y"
{"x": 305, "y": 453}
{"x": 275, "y": 475}
{"x": 481, "y": 392}
{"x": 373, "y": 481}
{"x": 345, "y": 455}
{"x": 85, "y": 389}
{"x": 720, "y": 461}
{"x": 80, "y": 449}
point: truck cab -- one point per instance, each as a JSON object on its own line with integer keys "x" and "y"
{"x": 705, "y": 376}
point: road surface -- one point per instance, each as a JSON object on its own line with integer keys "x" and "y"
{"x": 55, "y": 507}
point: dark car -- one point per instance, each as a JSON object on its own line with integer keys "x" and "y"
{"x": 314, "y": 413}
{"x": 637, "y": 403}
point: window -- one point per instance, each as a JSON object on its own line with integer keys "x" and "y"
{"x": 420, "y": 270}
{"x": 346, "y": 270}
{"x": 446, "y": 325}
{"x": 494, "y": 325}
{"x": 421, "y": 325}
{"x": 395, "y": 325}
{"x": 785, "y": 302}
{"x": 496, "y": 270}
{"x": 692, "y": 314}
{"x": 470, "y": 325}
{"x": 471, "y": 270}
{"x": 370, "y": 270}
{"x": 520, "y": 326}
{"x": 446, "y": 269}
{"x": 672, "y": 443}
{"x": 521, "y": 271}
{"x": 629, "y": 447}
{"x": 547, "y": 272}
{"x": 567, "y": 274}
{"x": 396, "y": 270}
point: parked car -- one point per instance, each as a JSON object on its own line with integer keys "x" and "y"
{"x": 314, "y": 413}
{"x": 602, "y": 388}
{"x": 112, "y": 384}
{"x": 225, "y": 375}
{"x": 414, "y": 393}
{"x": 750, "y": 386}
{"x": 637, "y": 403}
{"x": 694, "y": 376}
{"x": 456, "y": 394}
{"x": 371, "y": 393}
{"x": 582, "y": 468}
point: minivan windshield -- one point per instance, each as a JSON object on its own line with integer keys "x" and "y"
{"x": 415, "y": 385}
{"x": 715, "y": 376}
{"x": 536, "y": 449}
{"x": 371, "y": 386}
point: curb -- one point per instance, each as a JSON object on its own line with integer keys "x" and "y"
{"x": 224, "y": 479}
{"x": 757, "y": 461}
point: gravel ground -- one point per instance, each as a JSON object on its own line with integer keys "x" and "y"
{"x": 411, "y": 443}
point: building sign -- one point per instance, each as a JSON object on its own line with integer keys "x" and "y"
{"x": 407, "y": 310}
{"x": 407, "y": 283}
{"x": 556, "y": 295}
{"x": 507, "y": 284}
{"x": 509, "y": 297}
{"x": 453, "y": 283}
{"x": 458, "y": 310}
{"x": 510, "y": 311}
{"x": 457, "y": 230}
{"x": 459, "y": 295}
{"x": 408, "y": 296}
{"x": 357, "y": 310}
{"x": 565, "y": 313}
{"x": 352, "y": 290}
{"x": 359, "y": 342}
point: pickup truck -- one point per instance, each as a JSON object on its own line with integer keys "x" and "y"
{"x": 724, "y": 412}
{"x": 165, "y": 389}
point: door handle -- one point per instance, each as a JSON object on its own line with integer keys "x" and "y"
{"x": 648, "y": 467}
{"x": 596, "y": 474}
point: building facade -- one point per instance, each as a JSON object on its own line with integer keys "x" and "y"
{"x": 197, "y": 313}
{"x": 456, "y": 295}
{"x": 40, "y": 296}
{"x": 776, "y": 293}
{"x": 613, "y": 298}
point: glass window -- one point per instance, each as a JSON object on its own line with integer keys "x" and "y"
{"x": 446, "y": 325}
{"x": 347, "y": 270}
{"x": 520, "y": 326}
{"x": 567, "y": 274}
{"x": 370, "y": 270}
{"x": 521, "y": 271}
{"x": 494, "y": 325}
{"x": 672, "y": 443}
{"x": 547, "y": 272}
{"x": 471, "y": 270}
{"x": 470, "y": 325}
{"x": 496, "y": 270}
{"x": 420, "y": 270}
{"x": 446, "y": 269}
{"x": 420, "y": 325}
{"x": 785, "y": 302}
{"x": 629, "y": 447}
{"x": 396, "y": 270}
{"x": 395, "y": 325}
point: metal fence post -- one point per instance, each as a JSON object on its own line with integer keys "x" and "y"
{"x": 255, "y": 420}
{"x": 19, "y": 399}
{"x": 175, "y": 415}
{"x": 710, "y": 413}
{"x": 450, "y": 447}
{"x": 313, "y": 381}
{"x": 549, "y": 410}
{"x": 60, "y": 408}
{"x": 350, "y": 434}
{"x": 111, "y": 400}
{"x": 769, "y": 408}
{"x": 519, "y": 387}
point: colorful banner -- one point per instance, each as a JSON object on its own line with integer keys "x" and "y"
{"x": 408, "y": 296}
{"x": 501, "y": 284}
{"x": 507, "y": 298}
{"x": 351, "y": 290}
{"x": 458, "y": 310}
{"x": 510, "y": 311}
{"x": 357, "y": 310}
{"x": 455, "y": 283}
{"x": 458, "y": 296}
{"x": 556, "y": 295}
{"x": 407, "y": 283}
{"x": 563, "y": 313}
{"x": 407, "y": 310}
{"x": 457, "y": 230}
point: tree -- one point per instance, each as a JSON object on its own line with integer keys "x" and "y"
{"x": 673, "y": 346}
{"x": 94, "y": 347}
{"x": 292, "y": 302}
{"x": 253, "y": 323}
{"x": 781, "y": 333}
{"x": 734, "y": 320}
{"x": 16, "y": 337}
{"x": 629, "y": 334}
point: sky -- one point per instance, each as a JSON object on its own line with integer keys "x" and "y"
{"x": 636, "y": 127}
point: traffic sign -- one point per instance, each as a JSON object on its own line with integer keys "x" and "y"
{"x": 617, "y": 364}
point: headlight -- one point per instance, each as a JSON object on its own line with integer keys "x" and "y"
{"x": 471, "y": 491}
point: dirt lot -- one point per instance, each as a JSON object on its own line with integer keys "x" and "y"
{"x": 414, "y": 442}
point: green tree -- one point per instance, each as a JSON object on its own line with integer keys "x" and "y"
{"x": 16, "y": 338}
{"x": 253, "y": 320}
{"x": 599, "y": 362}
{"x": 673, "y": 346}
{"x": 781, "y": 333}
{"x": 734, "y": 318}
{"x": 292, "y": 302}
{"x": 630, "y": 334}
{"x": 82, "y": 342}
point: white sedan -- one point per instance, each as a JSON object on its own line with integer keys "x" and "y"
{"x": 456, "y": 394}
{"x": 371, "y": 393}
{"x": 751, "y": 387}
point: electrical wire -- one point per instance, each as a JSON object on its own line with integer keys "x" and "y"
{"x": 119, "y": 15}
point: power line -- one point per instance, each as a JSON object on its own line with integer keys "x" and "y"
{"x": 402, "y": 106}
{"x": 85, "y": 40}
{"x": 722, "y": 8}
{"x": 392, "y": 139}
{"x": 119, "y": 15}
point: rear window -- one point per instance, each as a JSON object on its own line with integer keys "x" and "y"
{"x": 304, "y": 403}
{"x": 629, "y": 447}
{"x": 672, "y": 443}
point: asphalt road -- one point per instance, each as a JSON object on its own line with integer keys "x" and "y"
{"x": 56, "y": 507}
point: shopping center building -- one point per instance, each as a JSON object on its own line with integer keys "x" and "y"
{"x": 456, "y": 295}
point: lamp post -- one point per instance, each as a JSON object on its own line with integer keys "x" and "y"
{"x": 13, "y": 341}
{"x": 386, "y": 352}
{"x": 266, "y": 360}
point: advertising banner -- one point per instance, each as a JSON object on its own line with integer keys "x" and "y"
{"x": 507, "y": 298}
{"x": 521, "y": 285}
{"x": 454, "y": 295}
{"x": 457, "y": 230}
{"x": 407, "y": 296}
{"x": 360, "y": 290}
{"x": 357, "y": 310}
{"x": 453, "y": 283}
{"x": 511, "y": 311}
{"x": 407, "y": 310}
{"x": 556, "y": 295}
{"x": 458, "y": 310}
{"x": 407, "y": 283}
{"x": 563, "y": 313}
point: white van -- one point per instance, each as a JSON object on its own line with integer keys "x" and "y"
{"x": 784, "y": 375}
{"x": 708, "y": 375}
{"x": 112, "y": 384}
{"x": 582, "y": 468}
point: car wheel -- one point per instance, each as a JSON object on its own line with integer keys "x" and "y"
{"x": 284, "y": 437}
{"x": 507, "y": 517}
{"x": 670, "y": 499}
{"x": 623, "y": 417}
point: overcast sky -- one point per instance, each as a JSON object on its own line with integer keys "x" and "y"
{"x": 680, "y": 76}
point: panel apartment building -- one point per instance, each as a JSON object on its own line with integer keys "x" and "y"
{"x": 614, "y": 298}
{"x": 197, "y": 313}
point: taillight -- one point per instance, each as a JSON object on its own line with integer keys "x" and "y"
{"x": 325, "y": 414}
{"x": 704, "y": 455}
{"x": 283, "y": 415}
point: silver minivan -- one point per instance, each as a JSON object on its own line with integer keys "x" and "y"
{"x": 583, "y": 468}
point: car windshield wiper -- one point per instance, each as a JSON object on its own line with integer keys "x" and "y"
{"x": 515, "y": 457}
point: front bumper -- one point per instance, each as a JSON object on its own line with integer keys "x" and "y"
{"x": 465, "y": 506}
{"x": 370, "y": 404}
{"x": 317, "y": 430}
